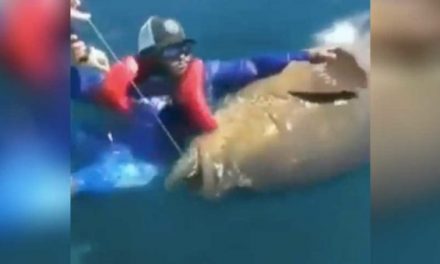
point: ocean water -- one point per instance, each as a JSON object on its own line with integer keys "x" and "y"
{"x": 328, "y": 223}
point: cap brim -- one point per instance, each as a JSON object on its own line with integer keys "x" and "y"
{"x": 183, "y": 42}
{"x": 190, "y": 41}
{"x": 154, "y": 49}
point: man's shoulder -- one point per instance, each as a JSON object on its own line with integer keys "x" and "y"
{"x": 212, "y": 66}
{"x": 85, "y": 78}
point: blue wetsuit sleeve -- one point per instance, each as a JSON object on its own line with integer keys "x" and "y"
{"x": 268, "y": 65}
{"x": 85, "y": 82}
{"x": 243, "y": 71}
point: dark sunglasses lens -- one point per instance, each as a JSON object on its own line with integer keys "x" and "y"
{"x": 176, "y": 52}
{"x": 186, "y": 49}
{"x": 171, "y": 53}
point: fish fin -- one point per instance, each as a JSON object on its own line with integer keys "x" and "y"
{"x": 338, "y": 78}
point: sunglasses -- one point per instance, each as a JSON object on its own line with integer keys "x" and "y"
{"x": 174, "y": 53}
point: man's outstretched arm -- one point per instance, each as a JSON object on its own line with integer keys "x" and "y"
{"x": 243, "y": 71}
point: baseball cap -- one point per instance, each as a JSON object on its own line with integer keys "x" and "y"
{"x": 158, "y": 33}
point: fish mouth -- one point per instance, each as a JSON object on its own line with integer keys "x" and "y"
{"x": 187, "y": 171}
{"x": 197, "y": 172}
{"x": 194, "y": 179}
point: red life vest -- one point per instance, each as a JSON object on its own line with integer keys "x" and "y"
{"x": 191, "y": 95}
{"x": 190, "y": 91}
{"x": 114, "y": 90}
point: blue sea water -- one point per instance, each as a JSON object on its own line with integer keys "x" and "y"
{"x": 329, "y": 223}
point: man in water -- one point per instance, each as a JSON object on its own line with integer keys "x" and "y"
{"x": 168, "y": 80}
{"x": 179, "y": 86}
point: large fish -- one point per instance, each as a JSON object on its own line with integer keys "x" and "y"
{"x": 304, "y": 125}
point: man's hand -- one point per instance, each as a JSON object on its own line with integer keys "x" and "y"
{"x": 79, "y": 49}
{"x": 98, "y": 59}
{"x": 77, "y": 14}
{"x": 88, "y": 56}
{"x": 322, "y": 56}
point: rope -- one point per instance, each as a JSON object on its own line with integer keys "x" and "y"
{"x": 139, "y": 92}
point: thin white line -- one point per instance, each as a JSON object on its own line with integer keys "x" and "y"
{"x": 159, "y": 121}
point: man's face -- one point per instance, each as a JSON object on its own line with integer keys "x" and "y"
{"x": 178, "y": 66}
{"x": 177, "y": 59}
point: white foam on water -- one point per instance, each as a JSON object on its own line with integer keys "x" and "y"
{"x": 351, "y": 33}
